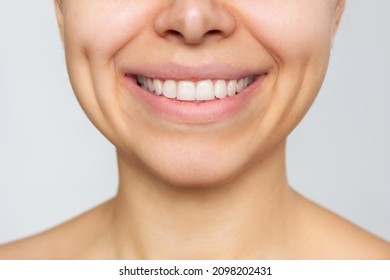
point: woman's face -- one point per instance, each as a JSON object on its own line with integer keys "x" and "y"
{"x": 267, "y": 57}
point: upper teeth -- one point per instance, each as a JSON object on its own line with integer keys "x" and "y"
{"x": 191, "y": 91}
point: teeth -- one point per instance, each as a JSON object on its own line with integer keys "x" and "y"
{"x": 231, "y": 88}
{"x": 240, "y": 85}
{"x": 246, "y": 82}
{"x": 205, "y": 90}
{"x": 186, "y": 91}
{"x": 169, "y": 89}
{"x": 150, "y": 85}
{"x": 194, "y": 91}
{"x": 158, "y": 86}
{"x": 220, "y": 89}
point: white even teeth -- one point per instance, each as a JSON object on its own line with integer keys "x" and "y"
{"x": 205, "y": 90}
{"x": 231, "y": 88}
{"x": 169, "y": 89}
{"x": 194, "y": 91}
{"x": 158, "y": 86}
{"x": 220, "y": 89}
{"x": 186, "y": 91}
{"x": 240, "y": 85}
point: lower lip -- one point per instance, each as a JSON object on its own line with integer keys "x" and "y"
{"x": 186, "y": 112}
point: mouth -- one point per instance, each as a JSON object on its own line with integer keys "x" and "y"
{"x": 184, "y": 99}
{"x": 194, "y": 91}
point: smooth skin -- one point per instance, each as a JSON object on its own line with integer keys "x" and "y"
{"x": 216, "y": 190}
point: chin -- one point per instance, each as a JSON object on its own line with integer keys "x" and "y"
{"x": 201, "y": 181}
{"x": 196, "y": 173}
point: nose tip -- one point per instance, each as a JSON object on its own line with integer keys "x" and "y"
{"x": 195, "y": 21}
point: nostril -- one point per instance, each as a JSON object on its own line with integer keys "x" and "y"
{"x": 213, "y": 33}
{"x": 173, "y": 34}
{"x": 193, "y": 21}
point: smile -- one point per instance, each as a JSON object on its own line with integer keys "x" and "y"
{"x": 193, "y": 95}
{"x": 192, "y": 91}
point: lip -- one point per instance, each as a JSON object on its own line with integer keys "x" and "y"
{"x": 175, "y": 71}
{"x": 184, "y": 112}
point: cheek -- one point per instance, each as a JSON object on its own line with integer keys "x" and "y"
{"x": 97, "y": 29}
{"x": 297, "y": 34}
{"x": 94, "y": 32}
{"x": 291, "y": 30}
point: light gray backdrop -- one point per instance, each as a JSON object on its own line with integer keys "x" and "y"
{"x": 55, "y": 165}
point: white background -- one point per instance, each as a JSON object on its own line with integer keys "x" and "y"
{"x": 280, "y": 270}
{"x": 55, "y": 165}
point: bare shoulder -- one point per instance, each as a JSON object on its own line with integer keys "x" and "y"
{"x": 336, "y": 238}
{"x": 40, "y": 246}
{"x": 66, "y": 241}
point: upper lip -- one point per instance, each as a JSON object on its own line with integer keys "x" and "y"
{"x": 173, "y": 71}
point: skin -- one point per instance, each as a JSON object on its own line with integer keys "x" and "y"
{"x": 172, "y": 203}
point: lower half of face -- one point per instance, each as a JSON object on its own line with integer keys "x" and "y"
{"x": 197, "y": 91}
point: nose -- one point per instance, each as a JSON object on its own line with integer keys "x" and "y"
{"x": 195, "y": 21}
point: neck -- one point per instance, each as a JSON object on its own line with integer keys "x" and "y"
{"x": 244, "y": 218}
